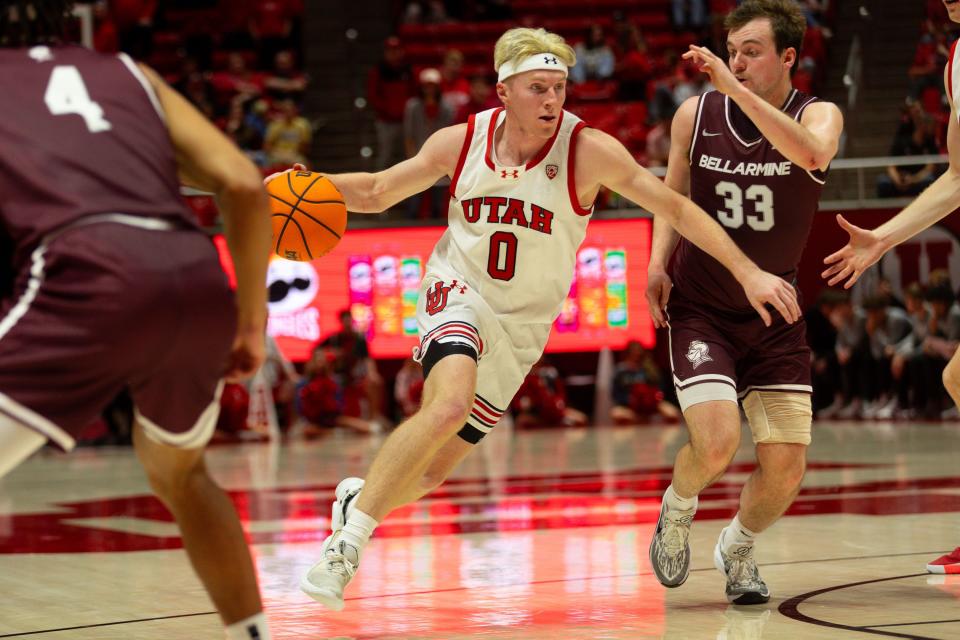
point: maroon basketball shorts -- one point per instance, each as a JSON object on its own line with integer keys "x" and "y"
{"x": 721, "y": 356}
{"x": 104, "y": 307}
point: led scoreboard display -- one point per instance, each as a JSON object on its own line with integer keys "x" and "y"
{"x": 376, "y": 273}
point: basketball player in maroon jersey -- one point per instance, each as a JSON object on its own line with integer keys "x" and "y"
{"x": 115, "y": 286}
{"x": 753, "y": 153}
{"x": 938, "y": 201}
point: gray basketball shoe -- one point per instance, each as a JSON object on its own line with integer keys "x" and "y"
{"x": 325, "y": 581}
{"x": 669, "y": 548}
{"x": 744, "y": 585}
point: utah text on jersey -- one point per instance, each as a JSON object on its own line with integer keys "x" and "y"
{"x": 497, "y": 209}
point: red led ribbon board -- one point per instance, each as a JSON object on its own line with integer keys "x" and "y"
{"x": 376, "y": 274}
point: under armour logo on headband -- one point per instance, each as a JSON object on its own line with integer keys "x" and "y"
{"x": 550, "y": 59}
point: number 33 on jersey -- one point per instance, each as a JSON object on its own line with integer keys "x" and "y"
{"x": 513, "y": 232}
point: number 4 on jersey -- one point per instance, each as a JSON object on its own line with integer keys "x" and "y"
{"x": 67, "y": 94}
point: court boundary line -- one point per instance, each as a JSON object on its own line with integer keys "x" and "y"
{"x": 798, "y": 599}
{"x": 908, "y": 624}
{"x": 106, "y": 624}
{"x": 791, "y": 609}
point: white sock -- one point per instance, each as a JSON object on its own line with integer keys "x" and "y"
{"x": 676, "y": 503}
{"x": 252, "y": 628}
{"x": 358, "y": 529}
{"x": 736, "y": 535}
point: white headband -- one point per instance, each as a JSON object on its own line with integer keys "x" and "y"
{"x": 546, "y": 61}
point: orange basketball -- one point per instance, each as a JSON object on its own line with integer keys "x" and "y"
{"x": 308, "y": 213}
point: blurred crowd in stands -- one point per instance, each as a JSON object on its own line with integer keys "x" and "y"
{"x": 238, "y": 62}
{"x": 922, "y": 129}
{"x": 884, "y": 358}
{"x": 628, "y": 81}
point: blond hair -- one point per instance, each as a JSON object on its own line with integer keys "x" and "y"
{"x": 519, "y": 44}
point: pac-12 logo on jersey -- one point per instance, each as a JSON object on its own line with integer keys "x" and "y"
{"x": 438, "y": 294}
{"x": 551, "y": 170}
{"x": 697, "y": 353}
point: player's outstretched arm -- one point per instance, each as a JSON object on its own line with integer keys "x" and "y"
{"x": 811, "y": 143}
{"x": 608, "y": 163}
{"x": 665, "y": 237}
{"x": 377, "y": 192}
{"x": 866, "y": 247}
{"x": 208, "y": 160}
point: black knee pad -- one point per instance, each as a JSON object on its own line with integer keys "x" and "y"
{"x": 437, "y": 351}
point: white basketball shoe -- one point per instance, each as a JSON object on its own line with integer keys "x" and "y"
{"x": 325, "y": 581}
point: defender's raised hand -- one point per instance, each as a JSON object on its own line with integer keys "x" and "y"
{"x": 849, "y": 263}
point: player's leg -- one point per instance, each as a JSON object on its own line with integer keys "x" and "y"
{"x": 17, "y": 443}
{"x": 780, "y": 421}
{"x": 406, "y": 455}
{"x": 714, "y": 428}
{"x": 950, "y": 562}
{"x": 211, "y": 531}
{"x": 395, "y": 476}
{"x": 703, "y": 360}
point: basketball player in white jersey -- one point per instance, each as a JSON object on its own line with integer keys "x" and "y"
{"x": 753, "y": 153}
{"x": 523, "y": 180}
{"x": 939, "y": 200}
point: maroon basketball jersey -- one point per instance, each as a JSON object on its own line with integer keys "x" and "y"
{"x": 81, "y": 133}
{"x": 763, "y": 200}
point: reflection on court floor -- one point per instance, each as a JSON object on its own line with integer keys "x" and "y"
{"x": 540, "y": 534}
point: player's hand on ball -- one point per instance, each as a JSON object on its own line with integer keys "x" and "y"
{"x": 764, "y": 288}
{"x": 658, "y": 293}
{"x": 849, "y": 263}
{"x": 296, "y": 167}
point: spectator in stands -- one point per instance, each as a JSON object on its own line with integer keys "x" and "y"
{"x": 425, "y": 12}
{"x": 453, "y": 86}
{"x": 690, "y": 82}
{"x": 134, "y": 20}
{"x": 285, "y": 81}
{"x": 320, "y": 398}
{"x": 489, "y": 10}
{"x": 105, "y": 37}
{"x": 822, "y": 339}
{"x": 939, "y": 345}
{"x": 916, "y": 136}
{"x": 595, "y": 59}
{"x": 282, "y": 379}
{"x": 885, "y": 327}
{"x": 424, "y": 115}
{"x": 636, "y": 388}
{"x": 542, "y": 399}
{"x": 634, "y": 67}
{"x": 247, "y": 124}
{"x": 198, "y": 90}
{"x": 408, "y": 389}
{"x": 480, "y": 98}
{"x": 851, "y": 349}
{"x": 689, "y": 14}
{"x": 926, "y": 71}
{"x": 238, "y": 79}
{"x": 906, "y": 350}
{"x": 658, "y": 141}
{"x": 288, "y": 136}
{"x": 389, "y": 86}
{"x": 357, "y": 370}
{"x": 270, "y": 25}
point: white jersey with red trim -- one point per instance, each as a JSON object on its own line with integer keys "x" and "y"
{"x": 953, "y": 78}
{"x": 514, "y": 232}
